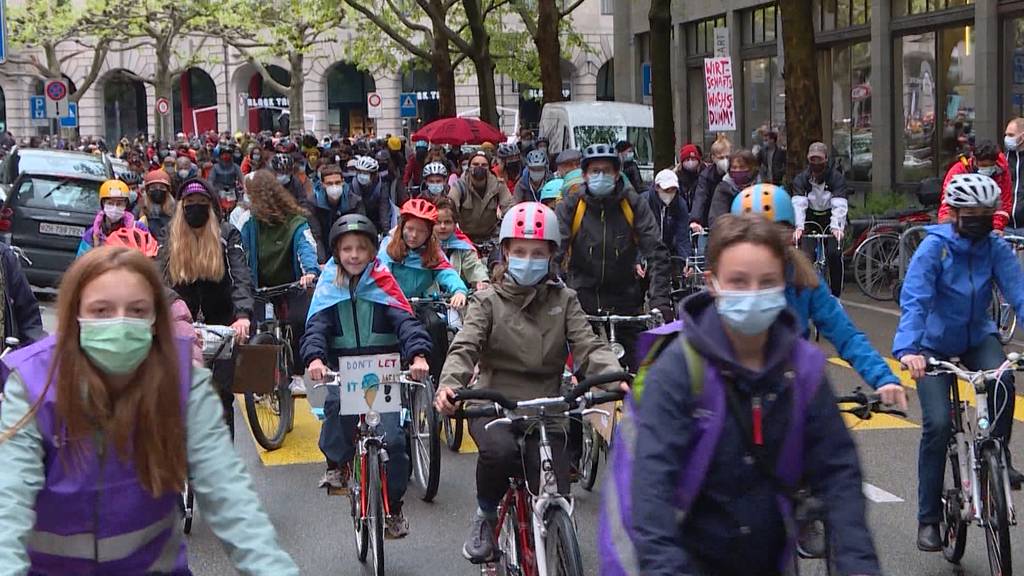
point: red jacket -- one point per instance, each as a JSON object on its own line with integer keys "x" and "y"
{"x": 966, "y": 166}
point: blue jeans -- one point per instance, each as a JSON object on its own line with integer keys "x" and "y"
{"x": 337, "y": 442}
{"x": 936, "y": 427}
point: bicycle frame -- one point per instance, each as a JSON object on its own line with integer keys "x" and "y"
{"x": 368, "y": 437}
{"x": 608, "y": 323}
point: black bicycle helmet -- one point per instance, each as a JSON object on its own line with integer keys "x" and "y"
{"x": 601, "y": 152}
{"x": 354, "y": 223}
{"x": 282, "y": 163}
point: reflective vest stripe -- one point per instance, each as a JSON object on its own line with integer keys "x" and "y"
{"x": 86, "y": 547}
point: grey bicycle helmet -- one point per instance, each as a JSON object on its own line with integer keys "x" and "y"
{"x": 536, "y": 159}
{"x": 435, "y": 169}
{"x": 507, "y": 151}
{"x": 601, "y": 152}
{"x": 353, "y": 223}
{"x": 972, "y": 191}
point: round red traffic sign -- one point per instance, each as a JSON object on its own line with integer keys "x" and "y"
{"x": 373, "y": 100}
{"x": 56, "y": 90}
{"x": 163, "y": 106}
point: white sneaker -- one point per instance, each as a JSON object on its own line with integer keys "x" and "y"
{"x": 298, "y": 386}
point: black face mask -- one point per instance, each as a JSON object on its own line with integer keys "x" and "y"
{"x": 479, "y": 172}
{"x": 974, "y": 227}
{"x": 157, "y": 195}
{"x": 197, "y": 215}
{"x": 420, "y": 155}
{"x": 513, "y": 168}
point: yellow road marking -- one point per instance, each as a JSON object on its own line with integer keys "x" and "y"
{"x": 300, "y": 445}
{"x": 467, "y": 446}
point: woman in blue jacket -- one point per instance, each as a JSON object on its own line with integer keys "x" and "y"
{"x": 944, "y": 303}
{"x": 358, "y": 310}
{"x": 810, "y": 300}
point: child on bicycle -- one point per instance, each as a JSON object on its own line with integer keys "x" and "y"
{"x": 735, "y": 414}
{"x": 457, "y": 247}
{"x": 113, "y": 214}
{"x": 520, "y": 331}
{"x": 359, "y": 310}
{"x": 945, "y": 305}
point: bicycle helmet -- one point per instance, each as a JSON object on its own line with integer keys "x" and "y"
{"x": 129, "y": 178}
{"x": 552, "y": 190}
{"x": 536, "y": 159}
{"x": 114, "y": 189}
{"x": 367, "y": 164}
{"x": 354, "y": 223}
{"x": 769, "y": 200}
{"x": 530, "y": 221}
{"x": 419, "y": 208}
{"x": 135, "y": 238}
{"x": 282, "y": 163}
{"x": 972, "y": 191}
{"x": 383, "y": 157}
{"x": 507, "y": 151}
{"x": 435, "y": 169}
{"x": 601, "y": 152}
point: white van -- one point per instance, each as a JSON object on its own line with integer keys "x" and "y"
{"x": 580, "y": 124}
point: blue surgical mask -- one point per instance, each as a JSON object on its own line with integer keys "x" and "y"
{"x": 750, "y": 311}
{"x": 601, "y": 185}
{"x": 528, "y": 271}
{"x": 989, "y": 171}
{"x": 436, "y": 188}
{"x": 364, "y": 179}
{"x": 1010, "y": 143}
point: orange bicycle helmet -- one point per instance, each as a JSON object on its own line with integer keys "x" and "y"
{"x": 135, "y": 238}
{"x": 420, "y": 208}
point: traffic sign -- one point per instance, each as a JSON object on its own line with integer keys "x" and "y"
{"x": 71, "y": 120}
{"x": 407, "y": 104}
{"x": 56, "y": 92}
{"x": 374, "y": 105}
{"x": 37, "y": 105}
{"x": 3, "y": 32}
{"x": 645, "y": 74}
{"x": 163, "y": 106}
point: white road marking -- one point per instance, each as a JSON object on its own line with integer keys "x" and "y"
{"x": 877, "y": 495}
{"x": 872, "y": 307}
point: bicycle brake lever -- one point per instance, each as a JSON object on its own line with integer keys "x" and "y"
{"x": 595, "y": 411}
{"x": 505, "y": 420}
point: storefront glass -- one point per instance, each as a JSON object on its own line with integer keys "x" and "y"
{"x": 764, "y": 100}
{"x": 851, "y": 109}
{"x": 1014, "y": 67}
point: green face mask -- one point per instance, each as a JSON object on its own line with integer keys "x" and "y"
{"x": 116, "y": 345}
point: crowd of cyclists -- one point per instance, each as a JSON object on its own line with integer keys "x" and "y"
{"x": 114, "y": 412}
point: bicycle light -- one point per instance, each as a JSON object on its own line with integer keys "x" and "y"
{"x": 372, "y": 419}
{"x": 618, "y": 349}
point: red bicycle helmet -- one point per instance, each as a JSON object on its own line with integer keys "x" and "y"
{"x": 420, "y": 208}
{"x": 135, "y": 238}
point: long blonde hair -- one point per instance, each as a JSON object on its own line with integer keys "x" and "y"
{"x": 194, "y": 254}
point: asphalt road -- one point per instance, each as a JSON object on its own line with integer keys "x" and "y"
{"x": 316, "y": 530}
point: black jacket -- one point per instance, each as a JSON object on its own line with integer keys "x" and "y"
{"x": 376, "y": 199}
{"x": 326, "y": 215}
{"x": 673, "y": 220}
{"x": 21, "y": 310}
{"x": 688, "y": 186}
{"x": 605, "y": 250}
{"x": 706, "y": 184}
{"x": 778, "y": 161}
{"x": 632, "y": 172}
{"x": 219, "y": 302}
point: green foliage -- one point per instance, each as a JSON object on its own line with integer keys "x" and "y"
{"x": 878, "y": 204}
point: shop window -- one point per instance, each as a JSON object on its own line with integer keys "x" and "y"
{"x": 701, "y": 39}
{"x": 760, "y": 26}
{"x": 911, "y": 7}
{"x": 838, "y": 14}
{"x": 1014, "y": 68}
{"x": 850, "y": 116}
{"x": 764, "y": 100}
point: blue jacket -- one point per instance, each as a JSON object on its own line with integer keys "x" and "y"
{"x": 824, "y": 309}
{"x": 674, "y": 222}
{"x": 415, "y": 280}
{"x": 737, "y": 507}
{"x": 304, "y": 256}
{"x": 948, "y": 290}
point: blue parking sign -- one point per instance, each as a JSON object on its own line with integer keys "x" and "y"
{"x": 71, "y": 120}
{"x": 37, "y": 104}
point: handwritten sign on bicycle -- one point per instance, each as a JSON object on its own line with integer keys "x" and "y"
{"x": 370, "y": 383}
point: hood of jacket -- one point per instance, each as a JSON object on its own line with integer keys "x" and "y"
{"x": 956, "y": 243}
{"x": 524, "y": 295}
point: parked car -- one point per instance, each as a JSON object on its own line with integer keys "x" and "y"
{"x": 50, "y": 198}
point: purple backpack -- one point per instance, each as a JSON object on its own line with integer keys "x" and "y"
{"x": 615, "y": 530}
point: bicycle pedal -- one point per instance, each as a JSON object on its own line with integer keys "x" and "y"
{"x": 338, "y": 491}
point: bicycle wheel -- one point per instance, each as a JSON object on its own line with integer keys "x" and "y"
{"x": 360, "y": 526}
{"x": 509, "y": 545}
{"x": 453, "y": 432}
{"x": 876, "y": 266}
{"x": 952, "y": 526}
{"x": 188, "y": 503}
{"x": 591, "y": 457}
{"x": 270, "y": 414}
{"x": 994, "y": 512}
{"x": 1004, "y": 316}
{"x": 425, "y": 441}
{"x": 375, "y": 509}
{"x": 561, "y": 548}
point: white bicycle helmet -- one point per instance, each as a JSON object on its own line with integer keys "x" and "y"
{"x": 537, "y": 159}
{"x": 972, "y": 191}
{"x": 530, "y": 221}
{"x": 367, "y": 164}
{"x": 435, "y": 169}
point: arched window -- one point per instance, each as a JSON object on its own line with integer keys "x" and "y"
{"x": 606, "y": 81}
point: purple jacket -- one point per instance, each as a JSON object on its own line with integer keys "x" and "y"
{"x": 92, "y": 514}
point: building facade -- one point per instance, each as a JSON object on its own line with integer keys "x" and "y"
{"x": 228, "y": 93}
{"x": 906, "y": 85}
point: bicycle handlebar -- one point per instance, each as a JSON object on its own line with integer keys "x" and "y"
{"x": 584, "y": 386}
{"x": 867, "y": 404}
{"x": 581, "y": 389}
{"x": 1012, "y": 362}
{"x": 280, "y": 289}
{"x": 655, "y": 315}
{"x": 484, "y": 394}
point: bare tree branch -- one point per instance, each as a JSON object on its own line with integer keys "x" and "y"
{"x": 526, "y": 17}
{"x": 394, "y": 34}
{"x": 570, "y": 8}
{"x": 405, "y": 20}
{"x": 439, "y": 18}
{"x": 94, "y": 69}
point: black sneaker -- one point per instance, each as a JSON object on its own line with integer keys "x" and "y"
{"x": 928, "y": 538}
{"x": 480, "y": 546}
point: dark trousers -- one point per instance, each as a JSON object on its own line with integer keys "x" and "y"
{"x": 437, "y": 328}
{"x": 503, "y": 452}
{"x": 818, "y": 223}
{"x": 223, "y": 378}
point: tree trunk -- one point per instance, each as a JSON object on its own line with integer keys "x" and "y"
{"x": 803, "y": 106}
{"x": 296, "y": 89}
{"x": 549, "y": 50}
{"x": 441, "y": 62}
{"x": 660, "y": 18}
{"x": 162, "y": 83}
{"x": 482, "y": 61}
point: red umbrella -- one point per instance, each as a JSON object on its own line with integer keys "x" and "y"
{"x": 459, "y": 131}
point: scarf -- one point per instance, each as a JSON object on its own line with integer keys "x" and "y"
{"x": 376, "y": 284}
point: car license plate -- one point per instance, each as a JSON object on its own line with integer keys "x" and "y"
{"x": 60, "y": 229}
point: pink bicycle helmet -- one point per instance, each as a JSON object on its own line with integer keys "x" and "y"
{"x": 530, "y": 221}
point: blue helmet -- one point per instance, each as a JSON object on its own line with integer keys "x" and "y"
{"x": 552, "y": 190}
{"x": 768, "y": 199}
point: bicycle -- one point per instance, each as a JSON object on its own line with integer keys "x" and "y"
{"x": 977, "y": 489}
{"x": 594, "y": 442}
{"x": 820, "y": 255}
{"x": 271, "y": 415}
{"x": 1002, "y": 312}
{"x": 453, "y": 425}
{"x": 536, "y": 534}
{"x": 696, "y": 264}
{"x": 424, "y": 433}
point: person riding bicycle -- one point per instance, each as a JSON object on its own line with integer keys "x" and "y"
{"x": 501, "y": 334}
{"x": 457, "y": 247}
{"x": 605, "y": 230}
{"x": 569, "y": 164}
{"x": 481, "y": 198}
{"x": 113, "y": 214}
{"x": 281, "y": 250}
{"x": 334, "y": 199}
{"x": 708, "y": 180}
{"x": 551, "y": 192}
{"x": 102, "y": 426}
{"x": 743, "y": 172}
{"x": 731, "y": 418}
{"x": 359, "y": 310}
{"x": 669, "y": 209}
{"x": 509, "y": 166}
{"x": 537, "y": 174}
{"x": 435, "y": 182}
{"x": 367, "y": 185}
{"x": 156, "y": 204}
{"x": 819, "y": 199}
{"x": 810, "y": 300}
{"x": 987, "y": 160}
{"x": 225, "y": 174}
{"x": 945, "y": 302}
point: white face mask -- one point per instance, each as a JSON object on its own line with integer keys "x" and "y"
{"x": 113, "y": 212}
{"x": 723, "y": 165}
{"x": 334, "y": 192}
{"x": 691, "y": 165}
{"x": 666, "y": 197}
